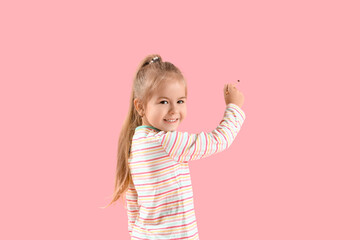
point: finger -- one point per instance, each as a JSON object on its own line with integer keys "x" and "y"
{"x": 226, "y": 89}
{"x": 232, "y": 86}
{"x": 235, "y": 85}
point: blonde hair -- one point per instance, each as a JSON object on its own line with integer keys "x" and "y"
{"x": 150, "y": 74}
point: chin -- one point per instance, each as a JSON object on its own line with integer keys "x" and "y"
{"x": 169, "y": 129}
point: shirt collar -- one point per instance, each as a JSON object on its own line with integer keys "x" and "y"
{"x": 147, "y": 126}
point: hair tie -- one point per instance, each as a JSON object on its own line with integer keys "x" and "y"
{"x": 155, "y": 59}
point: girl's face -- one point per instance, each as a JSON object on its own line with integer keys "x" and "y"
{"x": 166, "y": 109}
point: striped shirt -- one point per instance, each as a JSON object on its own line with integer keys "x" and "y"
{"x": 160, "y": 203}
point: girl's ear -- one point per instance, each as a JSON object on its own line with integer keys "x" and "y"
{"x": 138, "y": 106}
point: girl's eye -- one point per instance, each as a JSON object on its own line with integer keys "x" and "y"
{"x": 163, "y": 101}
{"x": 180, "y": 101}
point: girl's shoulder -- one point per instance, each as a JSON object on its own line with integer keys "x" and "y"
{"x": 146, "y": 133}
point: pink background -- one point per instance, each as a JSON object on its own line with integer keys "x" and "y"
{"x": 66, "y": 73}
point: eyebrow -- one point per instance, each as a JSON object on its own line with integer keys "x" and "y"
{"x": 168, "y": 98}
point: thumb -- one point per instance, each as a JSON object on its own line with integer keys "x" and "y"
{"x": 226, "y": 88}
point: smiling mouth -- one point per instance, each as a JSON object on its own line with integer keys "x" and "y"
{"x": 171, "y": 120}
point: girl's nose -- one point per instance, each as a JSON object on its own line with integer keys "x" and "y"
{"x": 173, "y": 109}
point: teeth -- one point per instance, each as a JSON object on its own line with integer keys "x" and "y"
{"x": 170, "y": 120}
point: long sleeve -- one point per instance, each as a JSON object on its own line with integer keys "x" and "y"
{"x": 184, "y": 147}
{"x": 132, "y": 207}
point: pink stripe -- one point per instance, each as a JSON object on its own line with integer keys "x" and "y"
{"x": 167, "y": 203}
{"x": 153, "y": 165}
{"x": 238, "y": 112}
{"x": 174, "y": 143}
{"x": 226, "y": 140}
{"x": 235, "y": 109}
{"x": 174, "y": 214}
{"x": 166, "y": 191}
{"x": 185, "y": 147}
{"x": 206, "y": 143}
{"x": 162, "y": 140}
{"x": 142, "y": 149}
{"x": 174, "y": 226}
{"x": 140, "y": 238}
{"x": 159, "y": 212}
{"x": 180, "y": 139}
{"x": 133, "y": 211}
{"x": 148, "y": 178}
{"x": 217, "y": 145}
{"x": 179, "y": 232}
{"x": 162, "y": 198}
{"x": 153, "y": 183}
{"x": 149, "y": 160}
{"x": 192, "y": 155}
{"x": 232, "y": 135}
{"x": 154, "y": 170}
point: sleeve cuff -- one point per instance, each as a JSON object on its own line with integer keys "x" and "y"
{"x": 233, "y": 105}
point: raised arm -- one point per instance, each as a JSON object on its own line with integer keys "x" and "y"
{"x": 184, "y": 147}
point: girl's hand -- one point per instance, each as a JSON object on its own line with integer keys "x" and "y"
{"x": 233, "y": 95}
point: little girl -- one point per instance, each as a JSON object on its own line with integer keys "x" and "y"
{"x": 152, "y": 168}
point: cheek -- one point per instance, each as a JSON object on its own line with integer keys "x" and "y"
{"x": 184, "y": 112}
{"x": 158, "y": 113}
